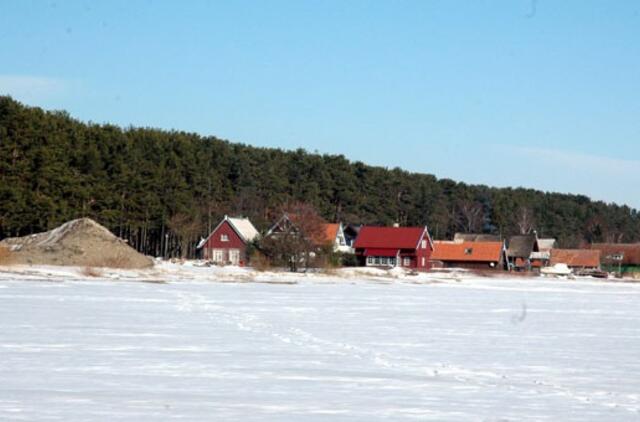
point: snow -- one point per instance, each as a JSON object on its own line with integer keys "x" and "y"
{"x": 207, "y": 343}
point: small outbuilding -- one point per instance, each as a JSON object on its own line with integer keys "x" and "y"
{"x": 519, "y": 252}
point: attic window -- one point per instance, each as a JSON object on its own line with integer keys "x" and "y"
{"x": 224, "y": 238}
{"x": 468, "y": 251}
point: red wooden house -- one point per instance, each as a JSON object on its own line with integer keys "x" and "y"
{"x": 407, "y": 247}
{"x": 227, "y": 243}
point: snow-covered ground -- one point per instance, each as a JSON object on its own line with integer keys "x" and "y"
{"x": 182, "y": 342}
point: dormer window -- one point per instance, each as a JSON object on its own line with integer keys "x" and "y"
{"x": 224, "y": 238}
{"x": 468, "y": 251}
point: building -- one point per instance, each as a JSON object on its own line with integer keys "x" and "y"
{"x": 323, "y": 234}
{"x": 576, "y": 259}
{"x": 227, "y": 243}
{"x": 406, "y": 247}
{"x": 618, "y": 257}
{"x": 334, "y": 235}
{"x": 541, "y": 255}
{"x": 351, "y": 234}
{"x": 519, "y": 252}
{"x": 470, "y": 255}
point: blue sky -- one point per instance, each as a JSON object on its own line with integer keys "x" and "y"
{"x": 508, "y": 93}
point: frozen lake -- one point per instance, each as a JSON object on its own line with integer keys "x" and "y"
{"x": 494, "y": 350}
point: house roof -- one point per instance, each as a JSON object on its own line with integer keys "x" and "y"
{"x": 546, "y": 244}
{"x": 390, "y": 237}
{"x": 381, "y": 252}
{"x": 467, "y": 251}
{"x": 631, "y": 252}
{"x": 242, "y": 226}
{"x": 575, "y": 257}
{"x": 521, "y": 246}
{"x": 331, "y": 232}
{"x": 474, "y": 237}
{"x": 353, "y": 228}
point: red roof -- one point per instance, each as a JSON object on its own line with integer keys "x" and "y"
{"x": 576, "y": 257}
{"x": 380, "y": 252}
{"x": 389, "y": 237}
{"x": 467, "y": 251}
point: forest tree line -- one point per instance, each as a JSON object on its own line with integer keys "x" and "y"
{"x": 161, "y": 189}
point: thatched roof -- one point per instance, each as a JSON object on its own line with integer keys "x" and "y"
{"x": 521, "y": 246}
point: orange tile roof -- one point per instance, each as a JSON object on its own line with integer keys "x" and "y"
{"x": 467, "y": 251}
{"x": 576, "y": 257}
{"x": 331, "y": 232}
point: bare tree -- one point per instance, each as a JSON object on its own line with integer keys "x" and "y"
{"x": 299, "y": 239}
{"x": 470, "y": 216}
{"x": 525, "y": 220}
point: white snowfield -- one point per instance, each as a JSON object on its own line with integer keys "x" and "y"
{"x": 226, "y": 344}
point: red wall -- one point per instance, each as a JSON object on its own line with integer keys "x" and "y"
{"x": 235, "y": 242}
{"x": 416, "y": 255}
{"x": 423, "y": 253}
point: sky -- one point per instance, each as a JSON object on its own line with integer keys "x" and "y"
{"x": 533, "y": 93}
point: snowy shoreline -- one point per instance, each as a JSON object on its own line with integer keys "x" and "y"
{"x": 195, "y": 271}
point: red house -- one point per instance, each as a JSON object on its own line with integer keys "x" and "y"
{"x": 227, "y": 243}
{"x": 406, "y": 247}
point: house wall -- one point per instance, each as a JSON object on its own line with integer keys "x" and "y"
{"x": 417, "y": 259}
{"x": 215, "y": 242}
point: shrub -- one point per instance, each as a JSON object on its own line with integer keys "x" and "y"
{"x": 91, "y": 272}
{"x": 259, "y": 261}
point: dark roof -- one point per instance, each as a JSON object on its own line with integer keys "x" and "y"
{"x": 474, "y": 237}
{"x": 630, "y": 252}
{"x": 389, "y": 237}
{"x": 521, "y": 246}
{"x": 352, "y": 229}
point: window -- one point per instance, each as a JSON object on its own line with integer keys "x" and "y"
{"x": 392, "y": 262}
{"x": 383, "y": 260}
{"x": 224, "y": 238}
{"x": 468, "y": 251}
{"x": 369, "y": 260}
{"x": 424, "y": 244}
{"x": 376, "y": 260}
{"x": 407, "y": 261}
{"x": 424, "y": 262}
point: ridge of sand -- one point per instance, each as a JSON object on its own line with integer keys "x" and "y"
{"x": 80, "y": 242}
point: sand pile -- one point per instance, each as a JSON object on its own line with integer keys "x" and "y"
{"x": 81, "y": 242}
